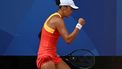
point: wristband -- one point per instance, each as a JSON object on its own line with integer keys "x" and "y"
{"x": 79, "y": 26}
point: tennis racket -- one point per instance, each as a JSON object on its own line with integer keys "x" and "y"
{"x": 80, "y": 58}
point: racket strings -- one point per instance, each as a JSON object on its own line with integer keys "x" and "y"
{"x": 81, "y": 58}
{"x": 83, "y": 62}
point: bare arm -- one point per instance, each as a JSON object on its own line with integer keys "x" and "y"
{"x": 63, "y": 31}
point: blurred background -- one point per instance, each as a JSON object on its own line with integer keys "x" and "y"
{"x": 21, "y": 21}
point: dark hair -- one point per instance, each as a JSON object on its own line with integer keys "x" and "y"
{"x": 39, "y": 35}
{"x": 57, "y": 2}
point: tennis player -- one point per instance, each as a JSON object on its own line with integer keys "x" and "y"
{"x": 53, "y": 27}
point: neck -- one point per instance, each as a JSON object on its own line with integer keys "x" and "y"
{"x": 61, "y": 13}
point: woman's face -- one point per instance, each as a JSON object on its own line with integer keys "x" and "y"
{"x": 68, "y": 11}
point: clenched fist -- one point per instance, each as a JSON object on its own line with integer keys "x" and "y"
{"x": 81, "y": 21}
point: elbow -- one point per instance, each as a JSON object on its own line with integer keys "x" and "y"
{"x": 68, "y": 41}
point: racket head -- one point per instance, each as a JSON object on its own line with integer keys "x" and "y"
{"x": 81, "y": 58}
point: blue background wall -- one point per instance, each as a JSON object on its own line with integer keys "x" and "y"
{"x": 21, "y": 21}
{"x": 119, "y": 27}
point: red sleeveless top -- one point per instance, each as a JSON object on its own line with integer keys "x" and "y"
{"x": 49, "y": 38}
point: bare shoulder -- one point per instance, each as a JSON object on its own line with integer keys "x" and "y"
{"x": 54, "y": 21}
{"x": 58, "y": 20}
